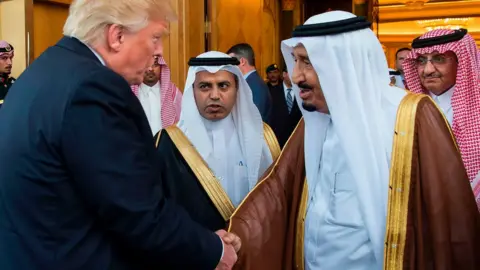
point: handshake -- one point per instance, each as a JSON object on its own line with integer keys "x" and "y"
{"x": 231, "y": 246}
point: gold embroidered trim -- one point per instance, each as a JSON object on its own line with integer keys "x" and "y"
{"x": 157, "y": 141}
{"x": 204, "y": 175}
{"x": 300, "y": 235}
{"x": 400, "y": 177}
{"x": 272, "y": 141}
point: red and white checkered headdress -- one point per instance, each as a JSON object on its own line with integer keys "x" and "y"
{"x": 171, "y": 97}
{"x": 466, "y": 96}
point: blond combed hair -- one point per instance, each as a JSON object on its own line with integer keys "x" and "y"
{"x": 87, "y": 19}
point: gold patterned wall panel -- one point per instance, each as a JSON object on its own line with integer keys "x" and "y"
{"x": 48, "y": 21}
{"x": 186, "y": 38}
{"x": 298, "y": 13}
{"x": 237, "y": 21}
{"x": 270, "y": 35}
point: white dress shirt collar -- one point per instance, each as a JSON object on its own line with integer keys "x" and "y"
{"x": 248, "y": 74}
{"x": 150, "y": 98}
{"x": 444, "y": 101}
{"x": 99, "y": 57}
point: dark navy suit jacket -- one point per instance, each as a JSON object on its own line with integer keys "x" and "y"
{"x": 79, "y": 183}
{"x": 261, "y": 95}
{"x": 282, "y": 121}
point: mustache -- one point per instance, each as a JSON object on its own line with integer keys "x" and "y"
{"x": 304, "y": 85}
{"x": 433, "y": 75}
{"x": 216, "y": 103}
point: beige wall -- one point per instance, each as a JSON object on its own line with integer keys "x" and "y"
{"x": 1, "y": 21}
{"x": 185, "y": 39}
{"x": 12, "y": 25}
{"x": 252, "y": 21}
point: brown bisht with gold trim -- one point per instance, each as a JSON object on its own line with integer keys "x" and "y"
{"x": 187, "y": 179}
{"x": 432, "y": 221}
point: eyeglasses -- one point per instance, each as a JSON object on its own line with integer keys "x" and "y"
{"x": 435, "y": 60}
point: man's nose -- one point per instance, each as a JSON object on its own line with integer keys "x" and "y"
{"x": 215, "y": 93}
{"x": 297, "y": 75}
{"x": 159, "y": 49}
{"x": 429, "y": 68}
{"x": 9, "y": 61}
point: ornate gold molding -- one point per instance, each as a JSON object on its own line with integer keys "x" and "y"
{"x": 409, "y": 37}
{"x": 444, "y": 23}
{"x": 397, "y": 13}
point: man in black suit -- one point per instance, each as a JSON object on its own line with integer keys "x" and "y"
{"x": 285, "y": 111}
{"x": 79, "y": 184}
{"x": 261, "y": 96}
{"x": 6, "y": 60}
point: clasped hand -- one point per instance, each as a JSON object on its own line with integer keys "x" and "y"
{"x": 231, "y": 245}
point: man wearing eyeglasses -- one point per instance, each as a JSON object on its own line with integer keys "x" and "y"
{"x": 445, "y": 64}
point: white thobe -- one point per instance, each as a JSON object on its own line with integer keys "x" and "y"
{"x": 444, "y": 101}
{"x": 227, "y": 160}
{"x": 150, "y": 98}
{"x": 335, "y": 233}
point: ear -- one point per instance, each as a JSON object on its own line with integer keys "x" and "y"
{"x": 115, "y": 37}
{"x": 243, "y": 61}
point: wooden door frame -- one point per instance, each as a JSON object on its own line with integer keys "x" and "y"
{"x": 29, "y": 33}
{"x": 29, "y": 56}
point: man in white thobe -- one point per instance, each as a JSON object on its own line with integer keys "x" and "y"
{"x": 220, "y": 147}
{"x": 385, "y": 185}
{"x": 160, "y": 98}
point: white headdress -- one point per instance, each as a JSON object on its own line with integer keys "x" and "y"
{"x": 354, "y": 77}
{"x": 247, "y": 119}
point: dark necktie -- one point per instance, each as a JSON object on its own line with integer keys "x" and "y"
{"x": 289, "y": 99}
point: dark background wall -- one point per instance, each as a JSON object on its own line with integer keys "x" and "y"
{"x": 314, "y": 7}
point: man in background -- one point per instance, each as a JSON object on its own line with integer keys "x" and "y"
{"x": 6, "y": 58}
{"x": 160, "y": 98}
{"x": 219, "y": 149}
{"x": 445, "y": 65}
{"x": 397, "y": 77}
{"x": 273, "y": 76}
{"x": 285, "y": 110}
{"x": 261, "y": 96}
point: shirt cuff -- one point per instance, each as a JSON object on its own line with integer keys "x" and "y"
{"x": 223, "y": 249}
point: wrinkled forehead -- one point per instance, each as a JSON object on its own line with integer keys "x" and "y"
{"x": 212, "y": 76}
{"x": 299, "y": 51}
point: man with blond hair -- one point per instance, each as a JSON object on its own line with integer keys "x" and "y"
{"x": 79, "y": 184}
